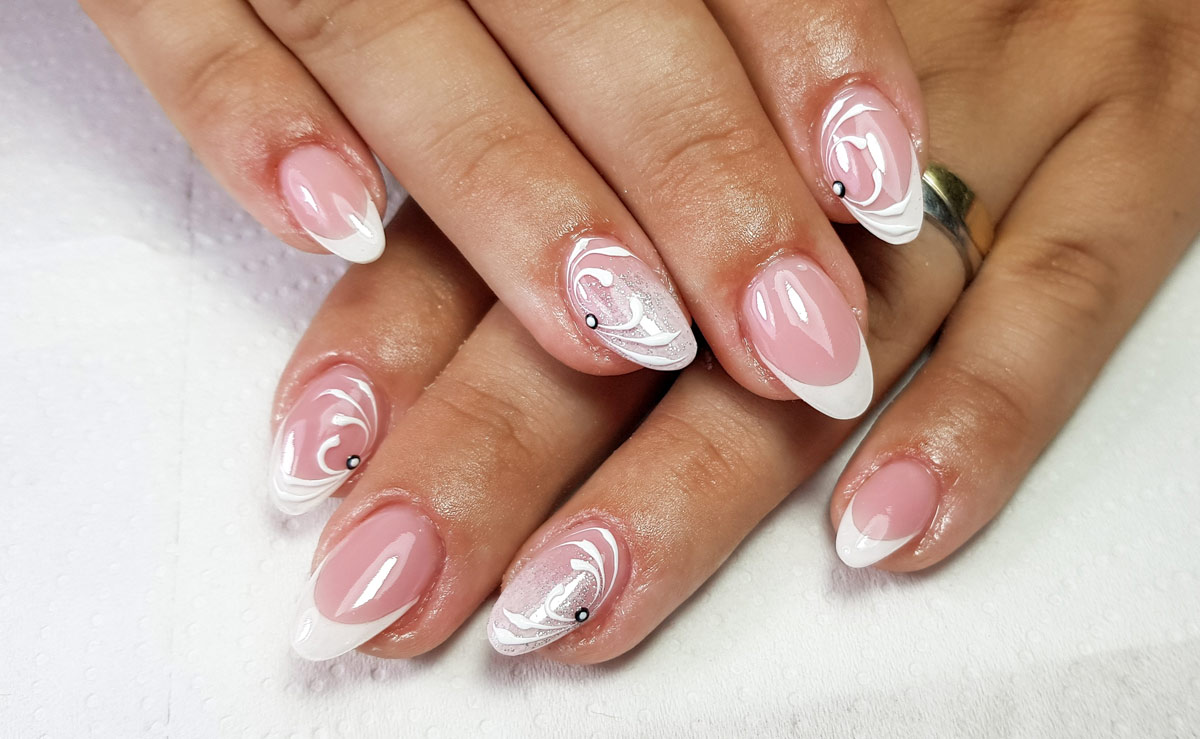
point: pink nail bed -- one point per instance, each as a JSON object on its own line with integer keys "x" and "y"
{"x": 893, "y": 506}
{"x": 871, "y": 163}
{"x": 619, "y": 300}
{"x": 805, "y": 334}
{"x": 331, "y": 203}
{"x": 571, "y": 578}
{"x": 374, "y": 575}
{"x": 331, "y": 430}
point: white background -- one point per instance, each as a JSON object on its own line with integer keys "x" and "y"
{"x": 146, "y": 587}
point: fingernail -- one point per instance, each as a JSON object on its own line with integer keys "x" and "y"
{"x": 894, "y": 505}
{"x": 564, "y": 586}
{"x": 618, "y": 299}
{"x": 806, "y": 335}
{"x": 871, "y": 163}
{"x": 371, "y": 578}
{"x": 325, "y": 438}
{"x": 331, "y": 203}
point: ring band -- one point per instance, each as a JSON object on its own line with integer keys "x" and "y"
{"x": 957, "y": 212}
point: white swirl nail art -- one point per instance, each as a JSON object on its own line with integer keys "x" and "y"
{"x": 872, "y": 163}
{"x": 562, "y": 588}
{"x": 324, "y": 439}
{"x": 625, "y": 305}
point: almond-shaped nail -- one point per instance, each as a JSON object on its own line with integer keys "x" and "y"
{"x": 331, "y": 203}
{"x": 375, "y": 575}
{"x": 325, "y": 438}
{"x": 805, "y": 334}
{"x": 871, "y": 163}
{"x": 620, "y": 301}
{"x": 571, "y": 579}
{"x": 894, "y": 505}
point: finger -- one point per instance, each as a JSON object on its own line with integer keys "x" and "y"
{"x": 676, "y": 127}
{"x": 709, "y": 462}
{"x": 256, "y": 119}
{"x": 444, "y": 108}
{"x": 1070, "y": 272}
{"x": 837, "y": 83}
{"x": 472, "y": 467}
{"x": 382, "y": 335}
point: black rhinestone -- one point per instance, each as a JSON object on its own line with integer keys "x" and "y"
{"x": 582, "y": 615}
{"x": 591, "y": 321}
{"x": 352, "y": 461}
{"x": 839, "y": 189}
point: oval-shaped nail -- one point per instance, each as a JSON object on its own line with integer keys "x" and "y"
{"x": 331, "y": 203}
{"x": 893, "y": 505}
{"x": 374, "y": 575}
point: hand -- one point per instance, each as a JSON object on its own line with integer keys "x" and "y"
{"x": 485, "y": 452}
{"x": 641, "y": 148}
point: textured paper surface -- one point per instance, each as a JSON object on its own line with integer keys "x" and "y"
{"x": 146, "y": 586}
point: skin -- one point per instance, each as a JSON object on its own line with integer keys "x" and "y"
{"x": 1095, "y": 191}
{"x": 621, "y": 133}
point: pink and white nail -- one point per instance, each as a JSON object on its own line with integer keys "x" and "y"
{"x": 805, "y": 334}
{"x": 893, "y": 506}
{"x": 331, "y": 204}
{"x": 618, "y": 299}
{"x": 565, "y": 585}
{"x": 325, "y": 438}
{"x": 872, "y": 164}
{"x": 374, "y": 575}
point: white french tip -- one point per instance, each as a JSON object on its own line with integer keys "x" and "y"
{"x": 899, "y": 223}
{"x": 848, "y": 399}
{"x": 858, "y": 550}
{"x": 363, "y": 246}
{"x": 317, "y": 638}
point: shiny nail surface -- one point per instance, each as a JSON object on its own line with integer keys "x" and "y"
{"x": 871, "y": 163}
{"x": 325, "y": 438}
{"x": 806, "y": 335}
{"x": 893, "y": 506}
{"x": 374, "y": 575}
{"x": 331, "y": 204}
{"x": 619, "y": 300}
{"x": 572, "y": 578}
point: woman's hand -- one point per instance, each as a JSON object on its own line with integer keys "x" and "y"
{"x": 641, "y": 149}
{"x": 1089, "y": 164}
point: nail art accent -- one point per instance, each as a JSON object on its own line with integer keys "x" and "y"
{"x": 624, "y": 304}
{"x": 806, "y": 335}
{"x": 894, "y": 505}
{"x": 565, "y": 585}
{"x": 324, "y": 439}
{"x": 872, "y": 164}
{"x": 375, "y": 575}
{"x": 331, "y": 203}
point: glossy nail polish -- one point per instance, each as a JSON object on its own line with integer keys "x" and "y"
{"x": 871, "y": 163}
{"x": 331, "y": 203}
{"x": 374, "y": 575}
{"x": 805, "y": 334}
{"x": 893, "y": 506}
{"x": 325, "y": 438}
{"x": 571, "y": 579}
{"x": 619, "y": 300}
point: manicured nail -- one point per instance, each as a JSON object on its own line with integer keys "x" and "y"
{"x": 564, "y": 586}
{"x": 371, "y": 578}
{"x": 806, "y": 335}
{"x": 331, "y": 203}
{"x": 871, "y": 163}
{"x": 325, "y": 438}
{"x": 618, "y": 299}
{"x": 894, "y": 505}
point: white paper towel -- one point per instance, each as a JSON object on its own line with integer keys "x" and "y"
{"x": 146, "y": 587}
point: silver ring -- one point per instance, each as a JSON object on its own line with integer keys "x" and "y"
{"x": 957, "y": 212}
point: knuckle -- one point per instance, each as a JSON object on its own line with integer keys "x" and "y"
{"x": 1073, "y": 285}
{"x": 479, "y": 151}
{"x": 312, "y": 25}
{"x": 218, "y": 84}
{"x": 713, "y": 455}
{"x": 981, "y": 394}
{"x": 495, "y": 424}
